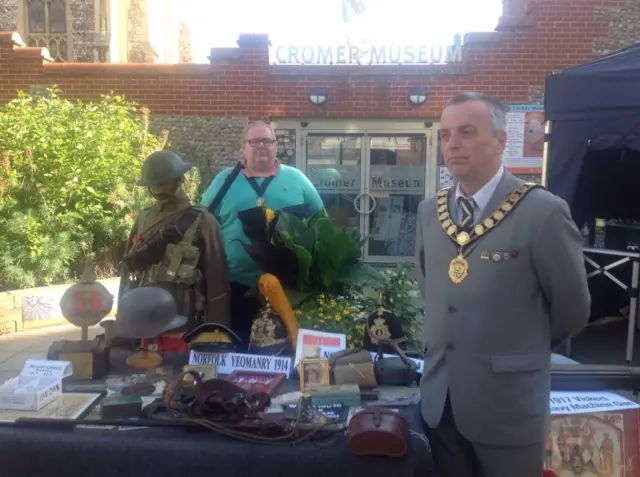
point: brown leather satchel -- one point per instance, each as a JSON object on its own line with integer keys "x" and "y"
{"x": 378, "y": 431}
{"x": 353, "y": 366}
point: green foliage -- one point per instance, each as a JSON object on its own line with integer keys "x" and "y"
{"x": 335, "y": 314}
{"x": 329, "y": 257}
{"x": 348, "y": 312}
{"x": 67, "y": 175}
{"x": 399, "y": 293}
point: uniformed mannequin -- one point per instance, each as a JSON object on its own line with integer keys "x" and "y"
{"x": 178, "y": 246}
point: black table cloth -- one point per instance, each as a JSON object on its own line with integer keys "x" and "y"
{"x": 178, "y": 452}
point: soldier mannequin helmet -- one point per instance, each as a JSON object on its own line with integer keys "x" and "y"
{"x": 161, "y": 167}
{"x": 147, "y": 312}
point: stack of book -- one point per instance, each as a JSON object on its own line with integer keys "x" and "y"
{"x": 345, "y": 394}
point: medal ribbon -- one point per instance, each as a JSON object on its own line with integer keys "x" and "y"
{"x": 259, "y": 189}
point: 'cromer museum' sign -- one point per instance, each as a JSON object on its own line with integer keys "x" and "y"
{"x": 374, "y": 55}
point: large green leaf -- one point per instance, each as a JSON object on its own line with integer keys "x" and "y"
{"x": 304, "y": 266}
{"x": 361, "y": 273}
{"x": 294, "y": 231}
{"x": 296, "y": 297}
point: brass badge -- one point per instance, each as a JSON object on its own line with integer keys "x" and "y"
{"x": 260, "y": 202}
{"x": 484, "y": 256}
{"x": 379, "y": 330}
{"x": 458, "y": 269}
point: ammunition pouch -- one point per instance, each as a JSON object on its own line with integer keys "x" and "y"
{"x": 145, "y": 253}
{"x": 178, "y": 265}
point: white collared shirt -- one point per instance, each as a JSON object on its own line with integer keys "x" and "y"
{"x": 481, "y": 198}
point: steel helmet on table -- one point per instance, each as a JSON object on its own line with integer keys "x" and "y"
{"x": 162, "y": 167}
{"x": 147, "y": 312}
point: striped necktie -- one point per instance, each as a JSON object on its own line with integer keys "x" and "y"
{"x": 467, "y": 207}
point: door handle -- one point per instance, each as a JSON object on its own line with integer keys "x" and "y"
{"x": 357, "y": 201}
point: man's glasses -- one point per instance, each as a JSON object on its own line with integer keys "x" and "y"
{"x": 264, "y": 142}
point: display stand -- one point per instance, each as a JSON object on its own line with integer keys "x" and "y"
{"x": 144, "y": 359}
{"x": 620, "y": 257}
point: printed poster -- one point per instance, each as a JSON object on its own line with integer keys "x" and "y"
{"x": 594, "y": 445}
{"x": 318, "y": 344}
{"x": 525, "y": 139}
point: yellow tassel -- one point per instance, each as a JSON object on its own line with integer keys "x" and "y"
{"x": 272, "y": 290}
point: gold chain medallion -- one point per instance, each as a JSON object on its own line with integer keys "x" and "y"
{"x": 458, "y": 269}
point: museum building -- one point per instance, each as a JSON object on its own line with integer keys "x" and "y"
{"x": 362, "y": 123}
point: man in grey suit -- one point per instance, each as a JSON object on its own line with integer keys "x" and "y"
{"x": 502, "y": 275}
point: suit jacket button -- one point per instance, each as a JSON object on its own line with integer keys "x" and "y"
{"x": 452, "y": 309}
{"x": 450, "y": 347}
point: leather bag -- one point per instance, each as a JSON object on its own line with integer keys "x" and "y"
{"x": 353, "y": 366}
{"x": 400, "y": 371}
{"x": 378, "y": 431}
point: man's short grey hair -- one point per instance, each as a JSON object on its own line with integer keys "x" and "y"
{"x": 497, "y": 110}
{"x": 253, "y": 124}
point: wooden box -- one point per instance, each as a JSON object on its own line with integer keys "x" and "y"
{"x": 90, "y": 359}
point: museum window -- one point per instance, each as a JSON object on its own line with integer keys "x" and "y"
{"x": 47, "y": 27}
{"x": 286, "y": 153}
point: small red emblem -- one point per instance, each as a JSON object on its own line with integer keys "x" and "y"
{"x": 135, "y": 239}
{"x": 514, "y": 254}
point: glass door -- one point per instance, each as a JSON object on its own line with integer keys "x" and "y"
{"x": 395, "y": 179}
{"x": 334, "y": 166}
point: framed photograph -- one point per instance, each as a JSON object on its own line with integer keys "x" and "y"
{"x": 313, "y": 371}
{"x": 256, "y": 381}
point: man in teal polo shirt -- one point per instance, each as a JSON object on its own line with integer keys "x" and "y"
{"x": 262, "y": 180}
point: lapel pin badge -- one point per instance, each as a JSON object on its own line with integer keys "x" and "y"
{"x": 514, "y": 254}
{"x": 484, "y": 256}
{"x": 496, "y": 256}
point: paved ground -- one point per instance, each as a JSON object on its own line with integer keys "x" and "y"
{"x": 16, "y": 348}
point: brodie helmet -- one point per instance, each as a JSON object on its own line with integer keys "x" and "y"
{"x": 162, "y": 167}
{"x": 147, "y": 312}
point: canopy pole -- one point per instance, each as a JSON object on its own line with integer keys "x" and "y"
{"x": 545, "y": 152}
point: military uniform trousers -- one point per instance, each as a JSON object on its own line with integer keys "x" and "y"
{"x": 455, "y": 456}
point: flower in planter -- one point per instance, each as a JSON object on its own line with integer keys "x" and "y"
{"x": 334, "y": 314}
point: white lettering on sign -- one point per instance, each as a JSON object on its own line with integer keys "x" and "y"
{"x": 47, "y": 393}
{"x": 588, "y": 402}
{"x": 419, "y": 362}
{"x": 335, "y": 179}
{"x": 399, "y": 179}
{"x": 374, "y": 55}
{"x": 226, "y": 363}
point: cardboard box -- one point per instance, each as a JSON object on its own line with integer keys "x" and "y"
{"x": 39, "y": 383}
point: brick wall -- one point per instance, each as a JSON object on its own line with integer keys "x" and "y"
{"x": 533, "y": 39}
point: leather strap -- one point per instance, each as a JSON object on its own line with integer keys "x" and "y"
{"x": 408, "y": 363}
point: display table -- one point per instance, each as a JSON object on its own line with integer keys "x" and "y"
{"x": 617, "y": 259}
{"x": 191, "y": 452}
{"x": 169, "y": 452}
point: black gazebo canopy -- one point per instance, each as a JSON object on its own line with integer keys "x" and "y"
{"x": 592, "y": 107}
